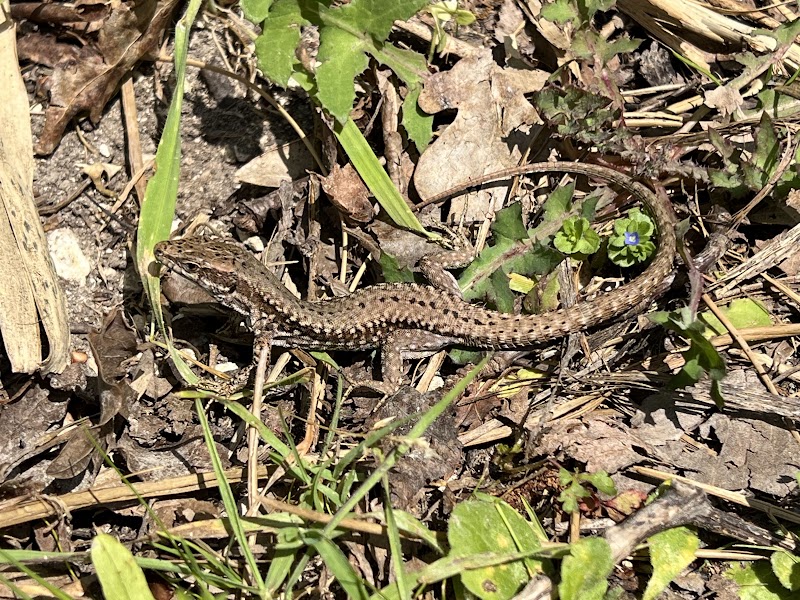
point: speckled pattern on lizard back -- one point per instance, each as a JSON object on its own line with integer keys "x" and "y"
{"x": 408, "y": 320}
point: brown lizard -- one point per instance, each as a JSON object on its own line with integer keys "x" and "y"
{"x": 407, "y": 320}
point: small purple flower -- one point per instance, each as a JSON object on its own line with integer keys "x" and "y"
{"x": 631, "y": 238}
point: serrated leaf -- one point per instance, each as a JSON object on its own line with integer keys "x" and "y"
{"x": 558, "y": 202}
{"x": 376, "y": 17}
{"x": 482, "y": 279}
{"x": 603, "y": 482}
{"x": 417, "y": 123}
{"x": 560, "y": 11}
{"x": 256, "y": 10}
{"x": 408, "y": 65}
{"x": 671, "y": 552}
{"x": 479, "y": 526}
{"x": 608, "y": 50}
{"x": 585, "y": 571}
{"x": 784, "y": 33}
{"x": 508, "y": 223}
{"x": 280, "y": 35}
{"x": 487, "y": 276}
{"x": 342, "y": 58}
{"x": 787, "y": 569}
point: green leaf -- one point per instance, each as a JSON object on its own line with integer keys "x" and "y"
{"x": 756, "y": 581}
{"x": 337, "y": 562}
{"x": 489, "y": 524}
{"x": 342, "y": 58}
{"x": 608, "y": 50}
{"x": 256, "y": 10}
{"x": 119, "y": 575}
{"x": 784, "y": 33}
{"x": 742, "y": 313}
{"x": 767, "y": 146}
{"x": 787, "y": 569}
{"x": 631, "y": 241}
{"x": 578, "y": 114}
{"x": 280, "y": 35}
{"x": 558, "y": 202}
{"x": 375, "y": 177}
{"x": 585, "y": 571}
{"x": 671, "y": 552}
{"x": 575, "y": 487}
{"x": 408, "y": 65}
{"x": 158, "y": 205}
{"x": 376, "y": 17}
{"x": 560, "y": 11}
{"x": 576, "y": 236}
{"x": 602, "y": 481}
{"x": 392, "y": 272}
{"x": 487, "y": 276}
{"x": 508, "y": 223}
{"x": 417, "y": 123}
{"x": 701, "y": 357}
{"x": 285, "y": 552}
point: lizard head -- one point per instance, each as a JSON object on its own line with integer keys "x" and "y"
{"x": 215, "y": 266}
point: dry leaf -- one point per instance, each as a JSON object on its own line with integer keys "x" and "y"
{"x": 348, "y": 193}
{"x": 86, "y": 84}
{"x": 29, "y": 281}
{"x": 486, "y": 135}
{"x": 282, "y": 162}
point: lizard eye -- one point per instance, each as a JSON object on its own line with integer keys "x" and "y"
{"x": 190, "y": 267}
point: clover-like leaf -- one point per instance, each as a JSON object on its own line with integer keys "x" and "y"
{"x": 630, "y": 243}
{"x": 576, "y": 236}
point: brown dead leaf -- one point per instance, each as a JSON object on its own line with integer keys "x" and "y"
{"x": 487, "y": 133}
{"x": 26, "y": 430}
{"x": 86, "y": 83}
{"x": 726, "y": 99}
{"x": 511, "y": 26}
{"x": 77, "y": 15}
{"x": 44, "y": 49}
{"x": 112, "y": 347}
{"x": 348, "y": 193}
{"x": 278, "y": 163}
{"x": 599, "y": 442}
{"x": 752, "y": 453}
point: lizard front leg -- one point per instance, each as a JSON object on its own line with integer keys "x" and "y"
{"x": 261, "y": 343}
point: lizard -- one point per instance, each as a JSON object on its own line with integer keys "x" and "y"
{"x": 409, "y": 320}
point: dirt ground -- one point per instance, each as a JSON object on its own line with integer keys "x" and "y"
{"x": 596, "y": 403}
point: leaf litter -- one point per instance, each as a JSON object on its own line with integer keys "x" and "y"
{"x": 489, "y": 110}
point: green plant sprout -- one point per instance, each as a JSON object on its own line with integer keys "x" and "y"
{"x": 575, "y": 487}
{"x": 631, "y": 241}
{"x": 577, "y": 238}
{"x": 444, "y": 12}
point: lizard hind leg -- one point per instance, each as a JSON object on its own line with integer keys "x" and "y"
{"x": 408, "y": 344}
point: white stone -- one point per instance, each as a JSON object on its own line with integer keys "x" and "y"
{"x": 69, "y": 260}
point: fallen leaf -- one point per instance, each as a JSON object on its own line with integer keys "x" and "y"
{"x": 86, "y": 82}
{"x": 486, "y": 135}
{"x": 348, "y": 193}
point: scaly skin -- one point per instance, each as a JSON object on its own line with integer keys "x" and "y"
{"x": 403, "y": 319}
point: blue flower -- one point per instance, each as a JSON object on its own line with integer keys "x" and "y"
{"x": 631, "y": 238}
